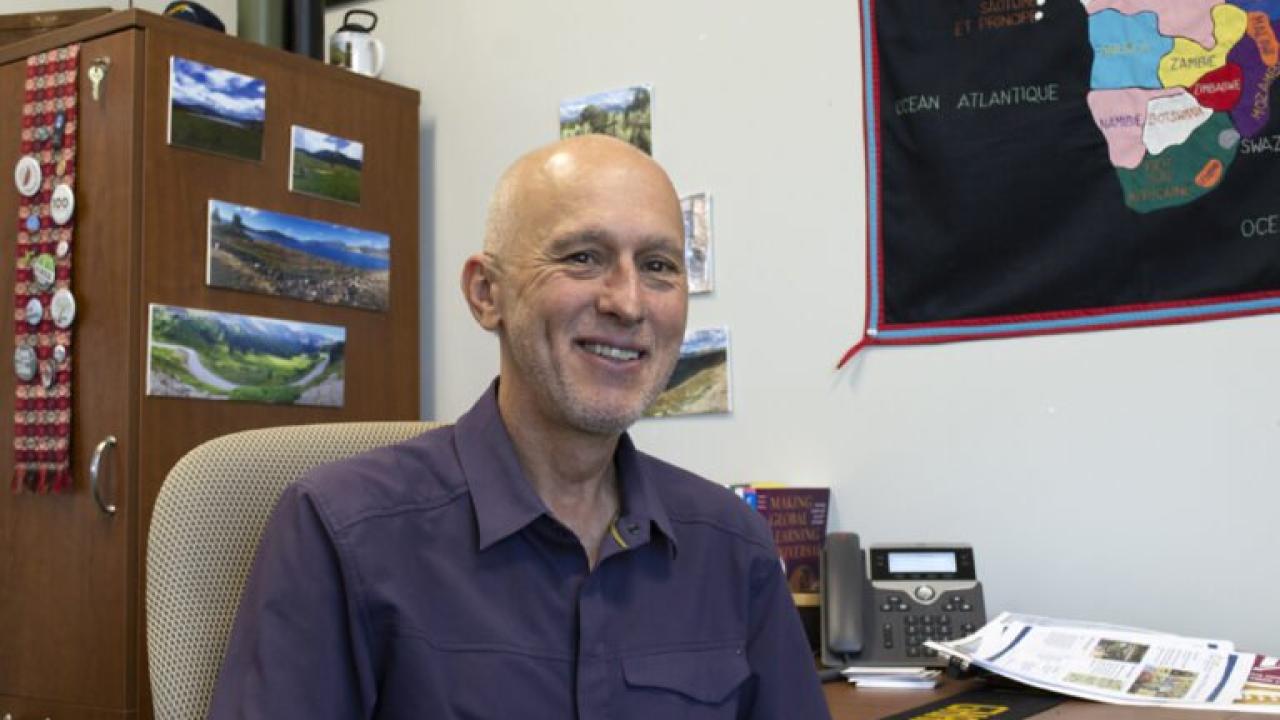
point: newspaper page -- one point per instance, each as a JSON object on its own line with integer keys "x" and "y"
{"x": 1120, "y": 665}
{"x": 1263, "y": 685}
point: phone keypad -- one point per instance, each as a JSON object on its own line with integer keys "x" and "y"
{"x": 919, "y": 627}
{"x": 910, "y": 624}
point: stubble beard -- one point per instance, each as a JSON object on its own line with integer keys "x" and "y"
{"x": 573, "y": 403}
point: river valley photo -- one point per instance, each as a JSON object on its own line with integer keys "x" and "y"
{"x": 224, "y": 356}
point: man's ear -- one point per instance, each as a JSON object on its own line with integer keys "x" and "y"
{"x": 480, "y": 289}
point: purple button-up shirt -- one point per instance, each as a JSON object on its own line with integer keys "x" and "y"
{"x": 428, "y": 580}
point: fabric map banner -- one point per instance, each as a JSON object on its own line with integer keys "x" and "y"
{"x": 1040, "y": 166}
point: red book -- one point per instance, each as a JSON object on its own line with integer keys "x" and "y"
{"x": 798, "y": 519}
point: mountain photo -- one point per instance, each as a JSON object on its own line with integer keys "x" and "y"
{"x": 700, "y": 382}
{"x": 626, "y": 114}
{"x": 325, "y": 165}
{"x": 216, "y": 110}
{"x": 273, "y": 253}
{"x": 224, "y": 356}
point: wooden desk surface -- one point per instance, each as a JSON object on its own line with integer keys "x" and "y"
{"x": 849, "y": 703}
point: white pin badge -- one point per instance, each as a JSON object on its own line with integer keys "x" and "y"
{"x": 27, "y": 175}
{"x": 24, "y": 363}
{"x": 63, "y": 308}
{"x": 35, "y": 312}
{"x": 62, "y": 204}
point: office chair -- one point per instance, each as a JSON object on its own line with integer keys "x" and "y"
{"x": 204, "y": 533}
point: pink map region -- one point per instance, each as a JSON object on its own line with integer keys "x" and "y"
{"x": 1187, "y": 18}
{"x": 1121, "y": 115}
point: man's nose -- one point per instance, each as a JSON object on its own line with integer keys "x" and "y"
{"x": 622, "y": 294}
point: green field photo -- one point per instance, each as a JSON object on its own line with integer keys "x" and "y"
{"x": 626, "y": 114}
{"x": 216, "y": 110}
{"x": 325, "y": 165}
{"x": 224, "y": 356}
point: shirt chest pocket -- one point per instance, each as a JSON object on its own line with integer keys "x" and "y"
{"x": 684, "y": 685}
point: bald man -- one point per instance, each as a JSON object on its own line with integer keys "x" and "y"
{"x": 528, "y": 562}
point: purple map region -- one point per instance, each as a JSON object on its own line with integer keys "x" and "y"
{"x": 1252, "y": 111}
{"x": 1270, "y": 7}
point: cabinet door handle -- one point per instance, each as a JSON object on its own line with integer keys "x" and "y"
{"x": 95, "y": 467}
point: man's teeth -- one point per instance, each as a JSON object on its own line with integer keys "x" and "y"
{"x": 612, "y": 352}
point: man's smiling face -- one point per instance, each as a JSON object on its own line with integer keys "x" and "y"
{"x": 591, "y": 289}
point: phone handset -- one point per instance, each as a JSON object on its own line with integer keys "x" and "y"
{"x": 843, "y": 581}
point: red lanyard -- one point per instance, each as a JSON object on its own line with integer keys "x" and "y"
{"x": 44, "y": 305}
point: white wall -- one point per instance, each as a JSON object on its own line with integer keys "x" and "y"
{"x": 1126, "y": 476}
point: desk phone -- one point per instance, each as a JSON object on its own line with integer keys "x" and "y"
{"x": 881, "y": 608}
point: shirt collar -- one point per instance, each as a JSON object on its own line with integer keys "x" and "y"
{"x": 502, "y": 497}
{"x": 505, "y": 501}
{"x": 641, "y": 504}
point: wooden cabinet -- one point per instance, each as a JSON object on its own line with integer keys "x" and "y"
{"x": 72, "y": 626}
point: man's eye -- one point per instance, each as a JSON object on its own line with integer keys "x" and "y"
{"x": 659, "y": 265}
{"x": 581, "y": 258}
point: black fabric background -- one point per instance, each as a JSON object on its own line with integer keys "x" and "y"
{"x": 1017, "y": 210}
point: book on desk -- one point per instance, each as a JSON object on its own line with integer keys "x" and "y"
{"x": 797, "y": 517}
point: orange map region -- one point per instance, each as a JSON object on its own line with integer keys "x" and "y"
{"x": 1259, "y": 28}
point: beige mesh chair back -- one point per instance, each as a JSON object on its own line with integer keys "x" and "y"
{"x": 208, "y": 519}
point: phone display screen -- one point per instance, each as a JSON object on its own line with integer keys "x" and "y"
{"x": 922, "y": 562}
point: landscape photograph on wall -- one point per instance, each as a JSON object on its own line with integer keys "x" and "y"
{"x": 325, "y": 165}
{"x": 700, "y": 382}
{"x": 626, "y": 114}
{"x": 216, "y": 110}
{"x": 285, "y": 255}
{"x": 224, "y": 356}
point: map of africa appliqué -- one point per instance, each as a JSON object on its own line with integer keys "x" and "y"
{"x": 1040, "y": 166}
